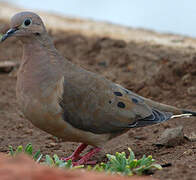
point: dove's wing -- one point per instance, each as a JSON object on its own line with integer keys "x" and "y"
{"x": 93, "y": 103}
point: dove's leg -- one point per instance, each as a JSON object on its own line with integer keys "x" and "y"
{"x": 85, "y": 159}
{"x": 76, "y": 153}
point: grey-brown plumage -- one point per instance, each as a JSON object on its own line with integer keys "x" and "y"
{"x": 70, "y": 102}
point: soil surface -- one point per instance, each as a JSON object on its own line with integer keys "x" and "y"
{"x": 165, "y": 74}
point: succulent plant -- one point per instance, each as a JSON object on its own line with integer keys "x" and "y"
{"x": 37, "y": 156}
{"x": 117, "y": 163}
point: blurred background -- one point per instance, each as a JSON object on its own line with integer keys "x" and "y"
{"x": 168, "y": 16}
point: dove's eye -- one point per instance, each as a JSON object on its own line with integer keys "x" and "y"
{"x": 27, "y": 22}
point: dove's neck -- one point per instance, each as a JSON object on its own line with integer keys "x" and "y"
{"x": 39, "y": 51}
{"x": 40, "y": 40}
{"x": 41, "y": 63}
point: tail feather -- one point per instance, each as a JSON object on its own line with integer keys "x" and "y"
{"x": 168, "y": 108}
{"x": 156, "y": 117}
{"x": 182, "y": 116}
{"x": 192, "y": 113}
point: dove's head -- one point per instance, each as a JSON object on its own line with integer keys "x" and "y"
{"x": 25, "y": 25}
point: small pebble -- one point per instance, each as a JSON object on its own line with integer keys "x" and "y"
{"x": 155, "y": 131}
{"x": 188, "y": 152}
{"x": 171, "y": 137}
{"x": 166, "y": 125}
{"x": 140, "y": 137}
{"x": 192, "y": 91}
{"x": 7, "y": 66}
{"x": 53, "y": 144}
{"x": 28, "y": 131}
{"x": 20, "y": 126}
{"x": 186, "y": 79}
{"x": 50, "y": 145}
{"x": 191, "y": 137}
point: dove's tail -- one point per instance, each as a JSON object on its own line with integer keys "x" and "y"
{"x": 192, "y": 113}
{"x": 177, "y": 112}
{"x": 161, "y": 113}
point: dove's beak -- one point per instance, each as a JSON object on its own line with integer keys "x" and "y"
{"x": 9, "y": 33}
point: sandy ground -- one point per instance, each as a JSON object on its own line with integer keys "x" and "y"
{"x": 158, "y": 66}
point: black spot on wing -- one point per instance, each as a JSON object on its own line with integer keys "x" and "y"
{"x": 134, "y": 100}
{"x": 127, "y": 91}
{"x": 121, "y": 104}
{"x": 117, "y": 93}
{"x": 156, "y": 117}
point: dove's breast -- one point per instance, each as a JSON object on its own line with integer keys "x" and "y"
{"x": 42, "y": 108}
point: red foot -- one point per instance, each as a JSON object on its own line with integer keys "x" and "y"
{"x": 86, "y": 157}
{"x": 76, "y": 154}
{"x": 78, "y": 160}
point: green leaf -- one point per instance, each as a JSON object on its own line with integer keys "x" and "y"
{"x": 130, "y": 173}
{"x": 156, "y": 166}
{"x": 97, "y": 167}
{"x": 147, "y": 161}
{"x": 37, "y": 155}
{"x": 139, "y": 170}
{"x": 56, "y": 158}
{"x": 131, "y": 155}
{"x": 69, "y": 163}
{"x": 113, "y": 161}
{"x": 133, "y": 164}
{"x": 39, "y": 158}
{"x": 77, "y": 167}
{"x": 19, "y": 150}
{"x": 49, "y": 160}
{"x": 11, "y": 151}
{"x": 89, "y": 168}
{"x": 58, "y": 162}
{"x": 29, "y": 149}
{"x": 138, "y": 162}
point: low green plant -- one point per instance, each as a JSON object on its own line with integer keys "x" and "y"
{"x": 119, "y": 164}
{"x": 37, "y": 156}
{"x": 57, "y": 162}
